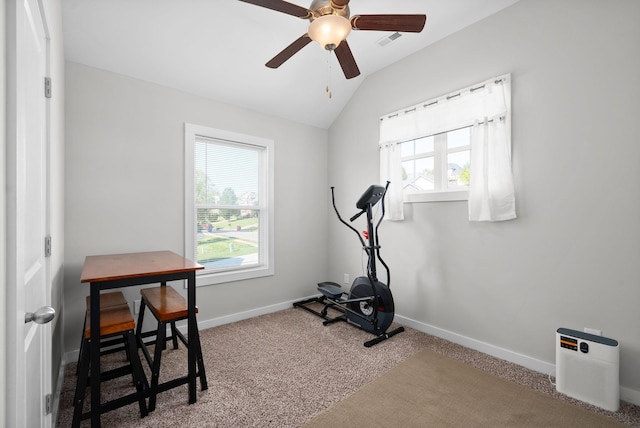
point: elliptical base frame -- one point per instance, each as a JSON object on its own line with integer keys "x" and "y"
{"x": 340, "y": 304}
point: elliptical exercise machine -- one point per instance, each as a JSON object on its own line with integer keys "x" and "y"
{"x": 369, "y": 303}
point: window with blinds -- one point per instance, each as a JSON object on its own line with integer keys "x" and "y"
{"x": 229, "y": 216}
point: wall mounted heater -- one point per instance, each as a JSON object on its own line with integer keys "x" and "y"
{"x": 588, "y": 368}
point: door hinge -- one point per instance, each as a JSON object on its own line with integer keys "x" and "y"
{"x": 48, "y": 403}
{"x": 47, "y": 246}
{"x": 47, "y": 87}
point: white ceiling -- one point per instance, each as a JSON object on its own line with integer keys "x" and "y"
{"x": 217, "y": 48}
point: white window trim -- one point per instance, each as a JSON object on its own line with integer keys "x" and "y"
{"x": 436, "y": 196}
{"x": 191, "y": 132}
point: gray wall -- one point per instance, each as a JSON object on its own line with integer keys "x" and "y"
{"x": 3, "y": 234}
{"x": 125, "y": 184}
{"x": 572, "y": 258}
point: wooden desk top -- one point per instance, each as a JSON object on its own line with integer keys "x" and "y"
{"x": 120, "y": 266}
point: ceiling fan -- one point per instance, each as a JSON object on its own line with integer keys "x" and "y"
{"x": 330, "y": 25}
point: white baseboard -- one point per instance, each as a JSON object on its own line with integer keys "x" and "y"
{"x": 55, "y": 406}
{"x": 495, "y": 351}
{"x": 630, "y": 395}
{"x": 227, "y": 319}
{"x": 626, "y": 394}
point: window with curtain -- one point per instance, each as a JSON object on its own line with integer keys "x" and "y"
{"x": 229, "y": 204}
{"x": 454, "y": 147}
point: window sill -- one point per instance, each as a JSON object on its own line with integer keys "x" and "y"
{"x": 211, "y": 278}
{"x": 446, "y": 196}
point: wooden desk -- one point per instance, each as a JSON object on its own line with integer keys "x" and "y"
{"x": 125, "y": 270}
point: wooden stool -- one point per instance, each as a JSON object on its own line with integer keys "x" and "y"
{"x": 114, "y": 320}
{"x": 167, "y": 306}
{"x": 114, "y": 298}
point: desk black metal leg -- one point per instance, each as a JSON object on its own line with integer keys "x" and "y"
{"x": 94, "y": 349}
{"x": 191, "y": 303}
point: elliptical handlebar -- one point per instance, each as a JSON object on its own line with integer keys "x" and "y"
{"x": 357, "y": 215}
{"x": 333, "y": 200}
{"x": 386, "y": 187}
{"x": 369, "y": 198}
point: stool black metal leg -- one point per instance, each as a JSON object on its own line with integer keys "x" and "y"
{"x": 139, "y": 337}
{"x": 81, "y": 384}
{"x": 199, "y": 360}
{"x": 201, "y": 371}
{"x": 140, "y": 319}
{"x": 82, "y": 350}
{"x": 174, "y": 335}
{"x": 127, "y": 351}
{"x": 155, "y": 370}
{"x": 136, "y": 371}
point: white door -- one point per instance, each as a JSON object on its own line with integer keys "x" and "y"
{"x": 28, "y": 289}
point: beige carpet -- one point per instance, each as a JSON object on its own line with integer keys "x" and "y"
{"x": 285, "y": 368}
{"x": 429, "y": 390}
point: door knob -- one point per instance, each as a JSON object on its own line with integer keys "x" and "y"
{"x": 41, "y": 316}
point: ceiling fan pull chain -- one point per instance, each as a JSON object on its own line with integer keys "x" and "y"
{"x": 328, "y": 89}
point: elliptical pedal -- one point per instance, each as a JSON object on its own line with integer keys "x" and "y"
{"x": 331, "y": 290}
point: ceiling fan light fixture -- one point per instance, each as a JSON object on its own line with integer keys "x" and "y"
{"x": 329, "y": 30}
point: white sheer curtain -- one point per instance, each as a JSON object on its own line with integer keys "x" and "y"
{"x": 485, "y": 106}
{"x": 391, "y": 170}
{"x": 491, "y": 194}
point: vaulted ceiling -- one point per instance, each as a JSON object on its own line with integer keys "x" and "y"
{"x": 217, "y": 49}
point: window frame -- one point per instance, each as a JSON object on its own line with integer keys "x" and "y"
{"x": 266, "y": 267}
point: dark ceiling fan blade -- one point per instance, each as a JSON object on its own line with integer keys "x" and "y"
{"x": 282, "y": 6}
{"x": 346, "y": 60}
{"x": 289, "y": 51}
{"x": 401, "y": 23}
